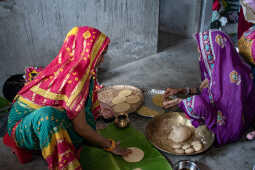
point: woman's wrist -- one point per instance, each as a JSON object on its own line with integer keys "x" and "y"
{"x": 192, "y": 91}
{"x": 107, "y": 143}
{"x": 195, "y": 91}
{"x": 110, "y": 146}
{"x": 187, "y": 91}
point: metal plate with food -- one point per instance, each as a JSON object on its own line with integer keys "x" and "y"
{"x": 122, "y": 98}
{"x": 153, "y": 103}
{"x": 149, "y": 109}
{"x": 173, "y": 133}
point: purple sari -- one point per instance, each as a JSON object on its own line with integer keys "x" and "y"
{"x": 226, "y": 106}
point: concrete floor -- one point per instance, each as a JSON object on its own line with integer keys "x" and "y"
{"x": 175, "y": 66}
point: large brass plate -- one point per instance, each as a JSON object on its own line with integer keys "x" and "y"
{"x": 158, "y": 129}
{"x": 115, "y": 89}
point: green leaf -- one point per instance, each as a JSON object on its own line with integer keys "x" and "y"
{"x": 93, "y": 158}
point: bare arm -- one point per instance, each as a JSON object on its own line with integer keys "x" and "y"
{"x": 83, "y": 129}
{"x": 189, "y": 91}
{"x": 195, "y": 91}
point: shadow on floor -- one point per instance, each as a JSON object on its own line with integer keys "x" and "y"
{"x": 3, "y": 123}
{"x": 166, "y": 40}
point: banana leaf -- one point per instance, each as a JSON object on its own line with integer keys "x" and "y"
{"x": 93, "y": 158}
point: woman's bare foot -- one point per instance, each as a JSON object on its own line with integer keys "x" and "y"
{"x": 250, "y": 135}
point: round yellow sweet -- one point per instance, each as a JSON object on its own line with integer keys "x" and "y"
{"x": 133, "y": 99}
{"x": 158, "y": 100}
{"x": 145, "y": 111}
{"x": 125, "y": 93}
{"x": 118, "y": 99}
{"x": 122, "y": 107}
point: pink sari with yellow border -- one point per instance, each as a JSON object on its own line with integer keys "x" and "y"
{"x": 65, "y": 81}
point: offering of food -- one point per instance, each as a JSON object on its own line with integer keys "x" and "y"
{"x": 122, "y": 107}
{"x": 180, "y": 133}
{"x": 179, "y": 151}
{"x": 186, "y": 146}
{"x": 119, "y": 99}
{"x": 173, "y": 133}
{"x": 189, "y": 150}
{"x": 158, "y": 100}
{"x": 125, "y": 92}
{"x": 145, "y": 111}
{"x": 106, "y": 97}
{"x": 133, "y": 99}
{"x": 177, "y": 146}
{"x": 195, "y": 142}
{"x": 135, "y": 156}
{"x": 122, "y": 98}
{"x": 197, "y": 145}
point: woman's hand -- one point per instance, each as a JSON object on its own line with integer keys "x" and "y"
{"x": 204, "y": 84}
{"x": 83, "y": 129}
{"x": 173, "y": 91}
{"x": 171, "y": 103}
{"x": 106, "y": 111}
{"x": 120, "y": 151}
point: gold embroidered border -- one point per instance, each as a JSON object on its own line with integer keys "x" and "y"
{"x": 61, "y": 134}
{"x": 75, "y": 164}
{"x": 80, "y": 85}
{"x": 29, "y": 103}
{"x": 73, "y": 31}
{"x": 48, "y": 94}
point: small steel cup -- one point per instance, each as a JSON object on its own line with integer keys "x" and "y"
{"x": 186, "y": 165}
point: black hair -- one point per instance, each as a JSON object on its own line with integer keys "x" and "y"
{"x": 12, "y": 86}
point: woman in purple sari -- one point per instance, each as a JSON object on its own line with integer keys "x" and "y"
{"x": 227, "y": 97}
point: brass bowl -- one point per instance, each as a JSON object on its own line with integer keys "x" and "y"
{"x": 158, "y": 129}
{"x": 115, "y": 91}
{"x": 122, "y": 120}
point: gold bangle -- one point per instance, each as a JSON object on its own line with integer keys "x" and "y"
{"x": 112, "y": 147}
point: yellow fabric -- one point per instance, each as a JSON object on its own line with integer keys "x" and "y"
{"x": 48, "y": 94}
{"x": 58, "y": 136}
{"x": 80, "y": 85}
{"x": 73, "y": 165}
{"x": 73, "y": 31}
{"x": 29, "y": 103}
{"x": 245, "y": 50}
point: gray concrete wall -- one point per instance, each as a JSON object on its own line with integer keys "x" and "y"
{"x": 32, "y": 31}
{"x": 180, "y": 17}
{"x": 206, "y": 15}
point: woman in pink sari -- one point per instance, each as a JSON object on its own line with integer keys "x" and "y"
{"x": 56, "y": 111}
